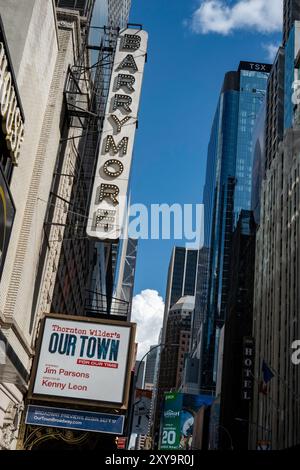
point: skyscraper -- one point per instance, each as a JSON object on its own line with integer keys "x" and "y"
{"x": 275, "y": 408}
{"x": 182, "y": 276}
{"x": 276, "y": 301}
{"x": 236, "y": 386}
{"x": 290, "y": 73}
{"x": 151, "y": 365}
{"x": 291, "y": 13}
{"x": 201, "y": 294}
{"x": 230, "y": 150}
{"x": 274, "y": 125}
{"x": 126, "y": 274}
{"x": 178, "y": 337}
{"x": 178, "y": 314}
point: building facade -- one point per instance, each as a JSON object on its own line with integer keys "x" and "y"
{"x": 236, "y": 384}
{"x": 30, "y": 183}
{"x": 241, "y": 98}
{"x": 49, "y": 261}
{"x": 274, "y": 124}
{"x": 173, "y": 354}
{"x": 151, "y": 366}
{"x": 178, "y": 338}
{"x": 291, "y": 13}
{"x": 275, "y": 409}
{"x": 276, "y": 309}
{"x": 125, "y": 275}
{"x": 182, "y": 277}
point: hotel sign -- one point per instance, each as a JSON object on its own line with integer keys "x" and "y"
{"x": 11, "y": 114}
{"x": 109, "y": 196}
{"x": 83, "y": 361}
{"x": 248, "y": 368}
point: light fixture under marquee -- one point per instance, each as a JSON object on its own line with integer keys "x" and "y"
{"x": 109, "y": 195}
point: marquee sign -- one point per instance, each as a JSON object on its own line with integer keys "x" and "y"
{"x": 11, "y": 113}
{"x": 82, "y": 360}
{"x": 109, "y": 196}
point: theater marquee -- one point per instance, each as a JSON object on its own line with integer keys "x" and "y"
{"x": 109, "y": 196}
{"x": 84, "y": 361}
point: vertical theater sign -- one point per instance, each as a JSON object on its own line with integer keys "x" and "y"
{"x": 109, "y": 195}
{"x": 11, "y": 138}
{"x": 12, "y": 118}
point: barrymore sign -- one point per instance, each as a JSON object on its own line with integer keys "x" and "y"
{"x": 81, "y": 359}
{"x": 109, "y": 196}
{"x": 11, "y": 113}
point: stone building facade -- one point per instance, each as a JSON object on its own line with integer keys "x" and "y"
{"x": 43, "y": 44}
{"x": 275, "y": 415}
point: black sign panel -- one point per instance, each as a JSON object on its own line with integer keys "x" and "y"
{"x": 255, "y": 67}
{"x": 7, "y": 215}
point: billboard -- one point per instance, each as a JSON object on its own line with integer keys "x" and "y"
{"x": 109, "y": 196}
{"x": 82, "y": 360}
{"x": 74, "y": 419}
{"x": 180, "y": 410}
{"x": 7, "y": 215}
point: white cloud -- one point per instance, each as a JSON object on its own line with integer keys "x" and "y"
{"x": 271, "y": 50}
{"x": 147, "y": 312}
{"x": 216, "y": 16}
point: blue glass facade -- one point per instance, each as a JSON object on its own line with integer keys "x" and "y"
{"x": 210, "y": 182}
{"x": 253, "y": 87}
{"x": 289, "y": 77}
{"x": 228, "y": 191}
{"x": 259, "y": 161}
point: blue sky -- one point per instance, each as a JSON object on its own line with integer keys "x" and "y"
{"x": 182, "y": 82}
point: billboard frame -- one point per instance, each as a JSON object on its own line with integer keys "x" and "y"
{"x": 78, "y": 401}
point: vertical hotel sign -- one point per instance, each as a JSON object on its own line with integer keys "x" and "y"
{"x": 109, "y": 195}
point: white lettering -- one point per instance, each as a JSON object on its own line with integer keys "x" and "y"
{"x": 296, "y": 355}
{"x": 12, "y": 122}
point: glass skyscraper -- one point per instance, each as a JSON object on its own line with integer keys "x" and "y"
{"x": 228, "y": 190}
